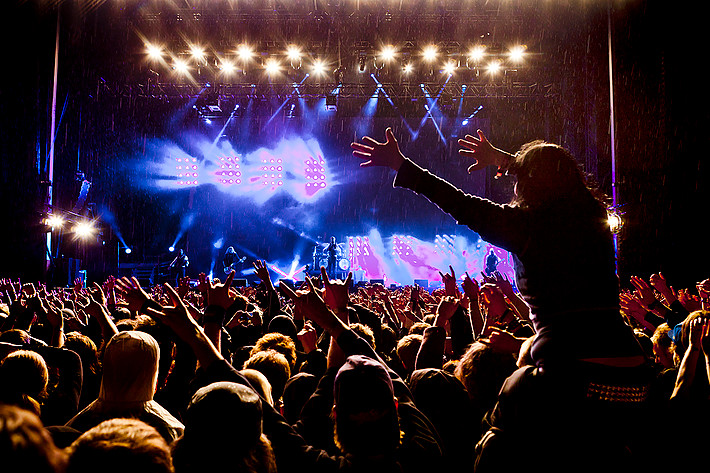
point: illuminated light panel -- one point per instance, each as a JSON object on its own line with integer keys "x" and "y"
{"x": 314, "y": 172}
{"x": 230, "y": 171}
{"x": 187, "y": 171}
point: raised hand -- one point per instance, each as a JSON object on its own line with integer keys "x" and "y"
{"x": 449, "y": 281}
{"x": 644, "y": 292}
{"x": 218, "y": 293}
{"x": 336, "y": 291}
{"x": 132, "y": 293}
{"x": 658, "y": 281}
{"x": 484, "y": 153}
{"x": 308, "y": 337}
{"x": 470, "y": 288}
{"x": 446, "y": 309}
{"x": 375, "y": 153}
{"x": 494, "y": 301}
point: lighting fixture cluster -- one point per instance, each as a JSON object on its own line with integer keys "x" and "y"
{"x": 197, "y": 59}
{"x": 82, "y": 228}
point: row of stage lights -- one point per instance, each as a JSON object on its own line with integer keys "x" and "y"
{"x": 244, "y": 56}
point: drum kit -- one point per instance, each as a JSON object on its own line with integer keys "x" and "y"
{"x": 320, "y": 258}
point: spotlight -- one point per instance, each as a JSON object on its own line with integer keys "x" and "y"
{"x": 271, "y": 66}
{"x": 407, "y": 68}
{"x": 449, "y": 68}
{"x": 84, "y": 229}
{"x": 493, "y": 67}
{"x": 293, "y": 53}
{"x": 154, "y": 52}
{"x": 387, "y": 53}
{"x": 128, "y": 251}
{"x": 477, "y": 53}
{"x": 181, "y": 66}
{"x": 430, "y": 53}
{"x": 54, "y": 221}
{"x": 318, "y": 67}
{"x": 197, "y": 52}
{"x": 227, "y": 67}
{"x": 171, "y": 249}
{"x": 614, "y": 220}
{"x": 244, "y": 52}
{"x": 516, "y": 53}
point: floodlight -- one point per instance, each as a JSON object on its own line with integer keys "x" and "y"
{"x": 318, "y": 67}
{"x": 516, "y": 53}
{"x": 181, "y": 66}
{"x": 154, "y": 52}
{"x": 293, "y": 52}
{"x": 477, "y": 53}
{"x": 244, "y": 52}
{"x": 272, "y": 66}
{"x": 54, "y": 221}
{"x": 430, "y": 53}
{"x": 227, "y": 67}
{"x": 387, "y": 53}
{"x": 493, "y": 67}
{"x": 197, "y": 52}
{"x": 84, "y": 229}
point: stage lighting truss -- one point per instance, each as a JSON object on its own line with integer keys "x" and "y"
{"x": 488, "y": 70}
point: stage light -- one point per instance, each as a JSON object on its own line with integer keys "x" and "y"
{"x": 171, "y": 249}
{"x": 407, "y": 68}
{"x": 181, "y": 66}
{"x": 197, "y": 52}
{"x": 318, "y": 67}
{"x": 387, "y": 53}
{"x": 516, "y": 53}
{"x": 614, "y": 220}
{"x": 154, "y": 52}
{"x": 227, "y": 67}
{"x": 477, "y": 53}
{"x": 449, "y": 68}
{"x": 128, "y": 251}
{"x": 430, "y": 52}
{"x": 293, "y": 52}
{"x": 55, "y": 221}
{"x": 244, "y": 52}
{"x": 271, "y": 66}
{"x": 464, "y": 122}
{"x": 84, "y": 229}
{"x": 493, "y": 67}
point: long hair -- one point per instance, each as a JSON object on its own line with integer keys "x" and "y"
{"x": 549, "y": 176}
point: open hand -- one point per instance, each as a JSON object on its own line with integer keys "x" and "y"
{"x": 379, "y": 154}
{"x": 484, "y": 153}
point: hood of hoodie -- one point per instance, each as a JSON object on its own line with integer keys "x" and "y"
{"x": 130, "y": 368}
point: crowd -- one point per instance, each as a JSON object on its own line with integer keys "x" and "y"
{"x": 328, "y": 376}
